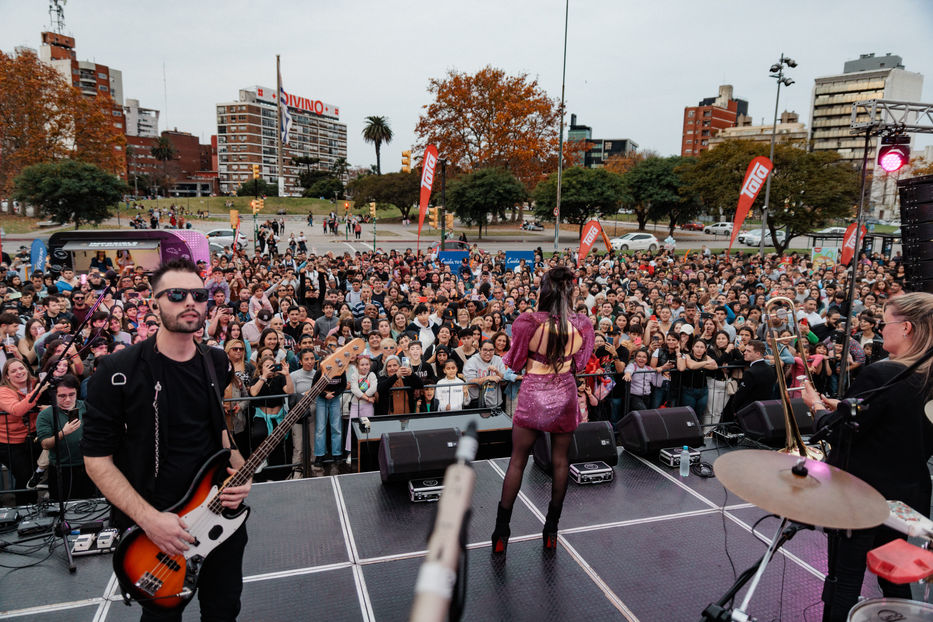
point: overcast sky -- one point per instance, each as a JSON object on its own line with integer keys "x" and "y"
{"x": 631, "y": 66}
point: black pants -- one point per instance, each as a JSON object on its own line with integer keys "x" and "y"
{"x": 18, "y": 458}
{"x": 219, "y": 584}
{"x": 75, "y": 483}
{"x": 850, "y": 570}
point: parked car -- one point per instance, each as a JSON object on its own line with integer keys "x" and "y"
{"x": 753, "y": 238}
{"x": 692, "y": 226}
{"x": 718, "y": 228}
{"x": 224, "y": 237}
{"x": 450, "y": 245}
{"x": 741, "y": 237}
{"x": 635, "y": 242}
{"x": 832, "y": 230}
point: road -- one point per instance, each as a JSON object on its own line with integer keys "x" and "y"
{"x": 398, "y": 237}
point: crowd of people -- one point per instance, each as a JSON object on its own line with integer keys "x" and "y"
{"x": 669, "y": 331}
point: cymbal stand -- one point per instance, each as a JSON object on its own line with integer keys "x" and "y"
{"x": 717, "y": 612}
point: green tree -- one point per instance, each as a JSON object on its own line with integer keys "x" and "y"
{"x": 486, "y": 191}
{"x": 306, "y": 161}
{"x": 655, "y": 191}
{"x": 585, "y": 193}
{"x": 69, "y": 191}
{"x": 377, "y": 131}
{"x": 164, "y": 151}
{"x": 257, "y": 187}
{"x": 400, "y": 189}
{"x": 326, "y": 187}
{"x": 808, "y": 190}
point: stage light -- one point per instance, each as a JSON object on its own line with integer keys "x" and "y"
{"x": 893, "y": 157}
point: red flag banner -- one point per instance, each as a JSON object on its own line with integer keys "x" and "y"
{"x": 848, "y": 243}
{"x": 428, "y": 163}
{"x": 755, "y": 176}
{"x": 591, "y": 231}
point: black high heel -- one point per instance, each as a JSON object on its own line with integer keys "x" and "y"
{"x": 500, "y": 536}
{"x": 549, "y": 533}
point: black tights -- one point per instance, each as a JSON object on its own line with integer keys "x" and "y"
{"x": 522, "y": 441}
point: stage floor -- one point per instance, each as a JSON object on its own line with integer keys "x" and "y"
{"x": 648, "y": 546}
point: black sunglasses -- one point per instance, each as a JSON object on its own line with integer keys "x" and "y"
{"x": 179, "y": 294}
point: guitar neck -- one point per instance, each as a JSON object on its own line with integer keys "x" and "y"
{"x": 245, "y": 472}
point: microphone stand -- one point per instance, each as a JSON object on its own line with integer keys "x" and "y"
{"x": 60, "y": 527}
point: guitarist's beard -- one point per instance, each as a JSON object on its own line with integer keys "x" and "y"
{"x": 178, "y": 324}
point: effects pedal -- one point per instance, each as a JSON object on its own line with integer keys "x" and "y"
{"x": 35, "y": 526}
{"x": 596, "y": 472}
{"x": 670, "y": 456}
{"x": 8, "y": 518}
{"x": 93, "y": 544}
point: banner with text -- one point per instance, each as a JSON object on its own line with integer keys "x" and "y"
{"x": 37, "y": 256}
{"x": 513, "y": 259}
{"x": 428, "y": 163}
{"x": 452, "y": 258}
{"x": 848, "y": 243}
{"x": 591, "y": 231}
{"x": 755, "y": 176}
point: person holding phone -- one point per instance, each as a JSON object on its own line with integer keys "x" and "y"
{"x": 268, "y": 380}
{"x": 64, "y": 420}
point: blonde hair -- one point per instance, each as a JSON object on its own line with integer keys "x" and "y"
{"x": 916, "y": 308}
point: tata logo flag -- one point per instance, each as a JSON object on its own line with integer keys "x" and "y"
{"x": 848, "y": 243}
{"x": 591, "y": 231}
{"x": 37, "y": 256}
{"x": 755, "y": 176}
{"x": 429, "y": 162}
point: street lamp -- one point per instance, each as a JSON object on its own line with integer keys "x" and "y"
{"x": 777, "y": 72}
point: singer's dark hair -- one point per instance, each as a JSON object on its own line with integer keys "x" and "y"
{"x": 555, "y": 298}
{"x": 175, "y": 265}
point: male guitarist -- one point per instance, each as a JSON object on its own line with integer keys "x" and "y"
{"x": 150, "y": 425}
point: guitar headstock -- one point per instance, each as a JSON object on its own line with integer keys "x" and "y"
{"x": 337, "y": 363}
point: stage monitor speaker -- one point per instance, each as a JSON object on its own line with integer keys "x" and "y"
{"x": 412, "y": 454}
{"x": 593, "y": 441}
{"x": 647, "y": 432}
{"x": 916, "y": 196}
{"x": 764, "y": 421}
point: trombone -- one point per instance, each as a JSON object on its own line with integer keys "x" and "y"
{"x": 794, "y": 441}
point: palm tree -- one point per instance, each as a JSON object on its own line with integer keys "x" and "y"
{"x": 377, "y": 131}
{"x": 163, "y": 151}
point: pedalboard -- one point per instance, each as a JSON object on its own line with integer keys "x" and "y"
{"x": 35, "y": 526}
{"x": 8, "y": 518}
{"x": 93, "y": 543}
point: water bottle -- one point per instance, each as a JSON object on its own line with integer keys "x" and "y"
{"x": 685, "y": 462}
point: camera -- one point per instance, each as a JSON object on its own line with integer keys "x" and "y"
{"x": 839, "y": 337}
{"x": 277, "y": 367}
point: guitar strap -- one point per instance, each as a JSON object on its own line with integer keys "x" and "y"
{"x": 212, "y": 376}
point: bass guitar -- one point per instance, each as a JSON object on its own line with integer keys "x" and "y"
{"x": 146, "y": 573}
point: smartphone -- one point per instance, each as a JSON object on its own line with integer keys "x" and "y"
{"x": 654, "y": 318}
{"x": 72, "y": 415}
{"x": 405, "y": 361}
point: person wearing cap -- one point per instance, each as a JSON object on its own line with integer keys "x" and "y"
{"x": 253, "y": 329}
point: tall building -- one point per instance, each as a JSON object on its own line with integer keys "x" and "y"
{"x": 789, "y": 130}
{"x": 600, "y": 149}
{"x": 705, "y": 120}
{"x": 868, "y": 77}
{"x": 140, "y": 121}
{"x": 246, "y": 136}
{"x": 94, "y": 80}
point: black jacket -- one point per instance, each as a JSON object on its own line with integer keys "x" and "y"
{"x": 120, "y": 415}
{"x": 757, "y": 384}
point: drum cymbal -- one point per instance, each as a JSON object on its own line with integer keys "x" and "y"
{"x": 822, "y": 495}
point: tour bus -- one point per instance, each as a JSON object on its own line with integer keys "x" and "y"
{"x": 144, "y": 247}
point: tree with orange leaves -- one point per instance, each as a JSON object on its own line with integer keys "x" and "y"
{"x": 621, "y": 164}
{"x": 494, "y": 120}
{"x": 43, "y": 118}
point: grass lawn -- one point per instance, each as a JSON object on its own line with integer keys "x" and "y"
{"x": 18, "y": 224}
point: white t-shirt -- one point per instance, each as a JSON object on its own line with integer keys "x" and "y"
{"x": 449, "y": 392}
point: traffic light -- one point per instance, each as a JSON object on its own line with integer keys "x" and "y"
{"x": 450, "y": 221}
{"x": 254, "y": 204}
{"x": 435, "y": 215}
{"x": 372, "y": 209}
{"x": 255, "y": 171}
{"x": 346, "y": 205}
{"x": 894, "y": 153}
{"x": 262, "y": 204}
{"x": 406, "y": 161}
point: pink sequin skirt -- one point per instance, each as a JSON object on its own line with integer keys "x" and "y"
{"x": 547, "y": 403}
